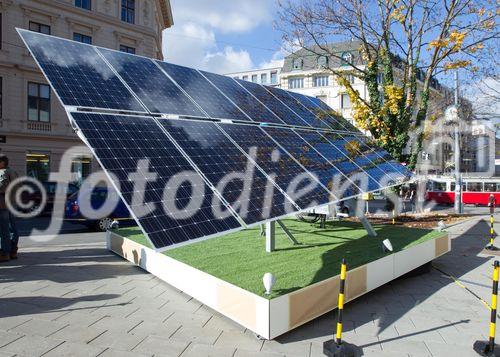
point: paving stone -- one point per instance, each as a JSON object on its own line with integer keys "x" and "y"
{"x": 405, "y": 346}
{"x": 118, "y": 341}
{"x": 220, "y": 322}
{"x": 205, "y": 350}
{"x": 39, "y": 327}
{"x": 197, "y": 335}
{"x": 78, "y": 334}
{"x": 118, "y": 353}
{"x": 445, "y": 350}
{"x": 32, "y": 346}
{"x": 298, "y": 348}
{"x": 163, "y": 330}
{"x": 235, "y": 340}
{"x": 69, "y": 349}
{"x": 7, "y": 323}
{"x": 8, "y": 337}
{"x": 157, "y": 345}
{"x": 187, "y": 319}
{"x": 244, "y": 353}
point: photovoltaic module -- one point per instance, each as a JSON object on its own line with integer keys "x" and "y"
{"x": 217, "y": 154}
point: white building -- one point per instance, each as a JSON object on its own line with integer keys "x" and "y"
{"x": 266, "y": 76}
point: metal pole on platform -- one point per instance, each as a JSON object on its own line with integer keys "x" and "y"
{"x": 270, "y": 236}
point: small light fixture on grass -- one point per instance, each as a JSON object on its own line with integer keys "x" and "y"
{"x": 441, "y": 226}
{"x": 269, "y": 280}
{"x": 387, "y": 246}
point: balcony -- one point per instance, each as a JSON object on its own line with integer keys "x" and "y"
{"x": 38, "y": 126}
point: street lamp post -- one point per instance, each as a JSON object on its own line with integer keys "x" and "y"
{"x": 451, "y": 116}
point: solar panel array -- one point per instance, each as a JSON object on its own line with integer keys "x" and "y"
{"x": 213, "y": 154}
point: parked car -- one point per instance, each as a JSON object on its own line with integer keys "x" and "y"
{"x": 35, "y": 198}
{"x": 98, "y": 196}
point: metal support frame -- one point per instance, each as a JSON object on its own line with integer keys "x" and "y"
{"x": 367, "y": 225}
{"x": 270, "y": 236}
{"x": 288, "y": 233}
{"x": 270, "y": 232}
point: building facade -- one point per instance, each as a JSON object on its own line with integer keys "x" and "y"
{"x": 266, "y": 76}
{"x": 34, "y": 129}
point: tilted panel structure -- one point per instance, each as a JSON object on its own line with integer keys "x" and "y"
{"x": 212, "y": 154}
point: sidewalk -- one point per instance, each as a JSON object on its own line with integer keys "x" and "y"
{"x": 73, "y": 298}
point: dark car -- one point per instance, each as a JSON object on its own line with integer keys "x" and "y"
{"x": 98, "y": 197}
{"x": 33, "y": 199}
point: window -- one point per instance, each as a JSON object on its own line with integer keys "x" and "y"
{"x": 254, "y": 78}
{"x": 0, "y": 30}
{"x": 322, "y": 61}
{"x": 440, "y": 186}
{"x": 128, "y": 11}
{"x": 297, "y": 63}
{"x": 320, "y": 81}
{"x": 263, "y": 78}
{"x": 84, "y": 4}
{"x": 345, "y": 101}
{"x": 245, "y": 78}
{"x": 274, "y": 77}
{"x": 346, "y": 58}
{"x": 490, "y": 186}
{"x": 127, "y": 49}
{"x": 1, "y": 97}
{"x": 294, "y": 83}
{"x": 474, "y": 186}
{"x": 38, "y": 166}
{"x": 36, "y": 27}
{"x": 82, "y": 38}
{"x": 81, "y": 168}
{"x": 38, "y": 102}
{"x": 350, "y": 78}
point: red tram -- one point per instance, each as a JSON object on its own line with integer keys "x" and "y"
{"x": 475, "y": 191}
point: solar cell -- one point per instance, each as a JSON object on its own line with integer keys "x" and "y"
{"x": 271, "y": 102}
{"x": 78, "y": 74}
{"x": 242, "y": 98}
{"x": 336, "y": 121}
{"x": 310, "y": 119}
{"x": 228, "y": 169}
{"x": 214, "y": 103}
{"x": 288, "y": 174}
{"x": 155, "y": 90}
{"x": 304, "y": 152}
{"x": 179, "y": 205}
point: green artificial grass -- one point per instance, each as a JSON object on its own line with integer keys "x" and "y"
{"x": 240, "y": 258}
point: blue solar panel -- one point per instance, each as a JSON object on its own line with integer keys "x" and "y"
{"x": 310, "y": 119}
{"x": 120, "y": 143}
{"x": 155, "y": 90}
{"x": 305, "y": 153}
{"x": 290, "y": 176}
{"x": 214, "y": 103}
{"x": 322, "y": 110}
{"x": 236, "y": 177}
{"x": 79, "y": 76}
{"x": 245, "y": 101}
{"x": 271, "y": 102}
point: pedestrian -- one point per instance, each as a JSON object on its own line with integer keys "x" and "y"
{"x": 7, "y": 219}
{"x": 491, "y": 203}
{"x": 413, "y": 199}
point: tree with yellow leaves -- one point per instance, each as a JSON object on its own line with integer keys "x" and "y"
{"x": 404, "y": 45}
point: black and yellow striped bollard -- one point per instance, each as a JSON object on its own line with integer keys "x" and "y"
{"x": 337, "y": 347}
{"x": 491, "y": 246}
{"x": 488, "y": 348}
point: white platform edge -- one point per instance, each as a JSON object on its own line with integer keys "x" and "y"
{"x": 268, "y": 318}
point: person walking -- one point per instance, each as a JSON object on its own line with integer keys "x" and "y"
{"x": 7, "y": 219}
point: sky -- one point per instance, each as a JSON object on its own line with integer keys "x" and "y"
{"x": 223, "y": 36}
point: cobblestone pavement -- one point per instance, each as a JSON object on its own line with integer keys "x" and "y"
{"x": 71, "y": 297}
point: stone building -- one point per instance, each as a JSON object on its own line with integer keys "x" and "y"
{"x": 34, "y": 129}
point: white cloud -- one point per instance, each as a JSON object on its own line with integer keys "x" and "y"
{"x": 192, "y": 40}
